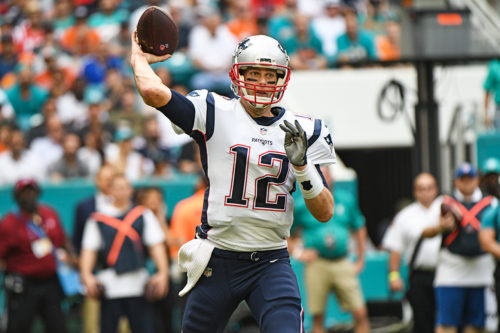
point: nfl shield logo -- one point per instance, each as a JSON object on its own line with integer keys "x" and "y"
{"x": 263, "y": 131}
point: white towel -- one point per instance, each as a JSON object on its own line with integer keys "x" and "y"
{"x": 193, "y": 259}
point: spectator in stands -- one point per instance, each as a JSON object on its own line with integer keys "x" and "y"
{"x": 8, "y": 57}
{"x": 39, "y": 128}
{"x": 26, "y": 97}
{"x": 389, "y": 45}
{"x": 30, "y": 33}
{"x": 80, "y": 39}
{"x": 63, "y": 17}
{"x": 489, "y": 236}
{"x": 356, "y": 45}
{"x": 29, "y": 239}
{"x": 244, "y": 23}
{"x": 126, "y": 110}
{"x": 48, "y": 79}
{"x": 177, "y": 9}
{"x": 71, "y": 107}
{"x": 403, "y": 240}
{"x": 69, "y": 165}
{"x": 115, "y": 86}
{"x": 49, "y": 147}
{"x": 325, "y": 252}
{"x": 151, "y": 147}
{"x": 125, "y": 159}
{"x": 463, "y": 270}
{"x": 492, "y": 87}
{"x": 18, "y": 162}
{"x": 329, "y": 26}
{"x": 97, "y": 119}
{"x": 124, "y": 285}
{"x": 96, "y": 66}
{"x": 5, "y": 136}
{"x": 490, "y": 177}
{"x": 304, "y": 47}
{"x": 6, "y": 109}
{"x": 281, "y": 23}
{"x": 266, "y": 8}
{"x": 211, "y": 47}
{"x": 378, "y": 12}
{"x": 107, "y": 21}
{"x": 90, "y": 153}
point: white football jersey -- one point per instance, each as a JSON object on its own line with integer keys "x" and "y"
{"x": 248, "y": 202}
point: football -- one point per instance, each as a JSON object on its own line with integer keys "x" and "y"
{"x": 157, "y": 32}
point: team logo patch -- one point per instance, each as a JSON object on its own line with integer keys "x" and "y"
{"x": 306, "y": 185}
{"x": 263, "y": 131}
{"x": 207, "y": 272}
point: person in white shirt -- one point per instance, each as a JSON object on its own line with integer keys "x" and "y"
{"x": 19, "y": 162}
{"x": 119, "y": 238}
{"x": 329, "y": 26}
{"x": 211, "y": 47}
{"x": 49, "y": 148}
{"x": 402, "y": 239}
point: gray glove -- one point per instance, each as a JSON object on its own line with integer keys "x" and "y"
{"x": 295, "y": 143}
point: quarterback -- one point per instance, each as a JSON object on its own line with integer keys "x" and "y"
{"x": 253, "y": 154}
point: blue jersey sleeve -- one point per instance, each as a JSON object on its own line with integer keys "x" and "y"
{"x": 180, "y": 110}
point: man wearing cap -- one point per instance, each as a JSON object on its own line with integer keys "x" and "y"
{"x": 464, "y": 270}
{"x": 30, "y": 239}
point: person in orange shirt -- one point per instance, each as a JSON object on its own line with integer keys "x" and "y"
{"x": 388, "y": 46}
{"x": 244, "y": 23}
{"x": 80, "y": 39}
{"x": 186, "y": 216}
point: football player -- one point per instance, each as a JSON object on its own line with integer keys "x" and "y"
{"x": 253, "y": 152}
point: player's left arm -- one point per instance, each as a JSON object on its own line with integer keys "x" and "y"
{"x": 317, "y": 196}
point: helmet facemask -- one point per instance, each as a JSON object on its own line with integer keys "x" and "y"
{"x": 249, "y": 90}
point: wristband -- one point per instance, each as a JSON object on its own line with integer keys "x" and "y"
{"x": 310, "y": 182}
{"x": 393, "y": 276}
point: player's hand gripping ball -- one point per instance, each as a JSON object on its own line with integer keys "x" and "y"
{"x": 157, "y": 32}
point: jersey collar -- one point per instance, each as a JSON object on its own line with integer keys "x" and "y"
{"x": 277, "y": 111}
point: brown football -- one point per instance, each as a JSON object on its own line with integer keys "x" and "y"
{"x": 157, "y": 32}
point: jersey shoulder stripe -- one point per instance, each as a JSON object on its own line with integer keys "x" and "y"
{"x": 316, "y": 132}
{"x": 210, "y": 116}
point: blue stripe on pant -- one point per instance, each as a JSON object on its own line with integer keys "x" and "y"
{"x": 264, "y": 279}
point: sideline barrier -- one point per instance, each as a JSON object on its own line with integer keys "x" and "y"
{"x": 64, "y": 196}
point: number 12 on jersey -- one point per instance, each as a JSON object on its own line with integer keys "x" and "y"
{"x": 237, "y": 196}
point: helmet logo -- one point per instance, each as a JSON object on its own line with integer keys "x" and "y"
{"x": 243, "y": 46}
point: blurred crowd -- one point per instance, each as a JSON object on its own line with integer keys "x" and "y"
{"x": 67, "y": 97}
